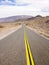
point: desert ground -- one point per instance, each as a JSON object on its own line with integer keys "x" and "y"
{"x": 12, "y": 48}
{"x": 7, "y": 27}
{"x": 39, "y": 24}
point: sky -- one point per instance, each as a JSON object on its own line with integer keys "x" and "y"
{"x": 24, "y": 7}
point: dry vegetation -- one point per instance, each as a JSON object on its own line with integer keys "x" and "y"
{"x": 40, "y": 24}
{"x": 6, "y": 27}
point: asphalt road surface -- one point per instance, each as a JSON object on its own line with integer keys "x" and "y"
{"x": 12, "y": 48}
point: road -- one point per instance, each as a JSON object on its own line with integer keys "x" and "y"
{"x": 12, "y": 48}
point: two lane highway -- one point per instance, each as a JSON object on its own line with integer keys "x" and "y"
{"x": 12, "y": 49}
{"x": 39, "y": 47}
{"x": 13, "y": 52}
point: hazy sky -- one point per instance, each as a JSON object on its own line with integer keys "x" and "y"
{"x": 24, "y": 7}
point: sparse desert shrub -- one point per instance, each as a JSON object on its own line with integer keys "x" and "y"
{"x": 47, "y": 21}
{"x": 26, "y": 23}
{"x": 1, "y": 26}
{"x": 19, "y": 23}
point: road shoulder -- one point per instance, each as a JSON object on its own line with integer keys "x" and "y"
{"x": 9, "y": 31}
{"x": 37, "y": 32}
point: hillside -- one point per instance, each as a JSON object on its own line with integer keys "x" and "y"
{"x": 14, "y": 18}
{"x": 39, "y": 23}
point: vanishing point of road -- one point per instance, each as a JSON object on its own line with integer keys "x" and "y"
{"x": 13, "y": 50}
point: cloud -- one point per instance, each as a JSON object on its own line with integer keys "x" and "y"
{"x": 25, "y": 4}
{"x": 7, "y": 2}
{"x": 25, "y": 7}
{"x": 22, "y": 3}
{"x": 13, "y": 2}
{"x": 45, "y": 9}
{"x": 6, "y": 11}
{"x": 38, "y": 4}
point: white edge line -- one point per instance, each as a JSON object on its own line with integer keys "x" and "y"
{"x": 5, "y": 35}
{"x": 37, "y": 33}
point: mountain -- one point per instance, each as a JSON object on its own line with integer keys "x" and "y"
{"x": 39, "y": 23}
{"x": 36, "y": 17}
{"x": 14, "y": 18}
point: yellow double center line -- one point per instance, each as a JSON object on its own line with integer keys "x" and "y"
{"x": 29, "y": 57}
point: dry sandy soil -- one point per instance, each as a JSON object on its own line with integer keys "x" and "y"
{"x": 40, "y": 24}
{"x": 7, "y": 27}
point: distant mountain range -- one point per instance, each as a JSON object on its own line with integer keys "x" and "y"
{"x": 22, "y": 18}
{"x": 14, "y": 18}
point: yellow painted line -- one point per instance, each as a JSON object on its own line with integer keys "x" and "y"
{"x": 29, "y": 57}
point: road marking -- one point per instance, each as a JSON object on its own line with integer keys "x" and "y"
{"x": 29, "y": 57}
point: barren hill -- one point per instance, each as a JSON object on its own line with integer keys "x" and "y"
{"x": 14, "y": 18}
{"x": 41, "y": 24}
